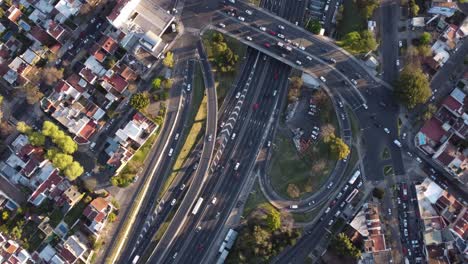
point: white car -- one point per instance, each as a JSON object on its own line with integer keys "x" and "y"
{"x": 400, "y": 43}
{"x": 386, "y": 130}
{"x": 241, "y": 18}
{"x": 397, "y": 62}
{"x": 302, "y": 47}
{"x": 354, "y": 81}
{"x": 298, "y": 62}
{"x": 281, "y": 36}
{"x": 221, "y": 25}
{"x": 249, "y": 12}
{"x": 365, "y": 106}
{"x": 262, "y": 28}
{"x": 170, "y": 152}
{"x": 418, "y": 160}
{"x": 238, "y": 95}
{"x": 173, "y": 202}
{"x": 248, "y": 38}
{"x": 281, "y": 27}
{"x": 309, "y": 58}
{"x": 323, "y": 79}
{"x": 340, "y": 104}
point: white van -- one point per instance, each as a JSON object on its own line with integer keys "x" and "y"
{"x": 237, "y": 166}
{"x": 294, "y": 206}
{"x": 397, "y": 143}
{"x": 233, "y": 136}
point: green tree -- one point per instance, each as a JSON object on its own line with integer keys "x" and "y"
{"x": 169, "y": 60}
{"x": 61, "y": 161}
{"x": 344, "y": 247}
{"x": 412, "y": 87}
{"x": 112, "y": 217}
{"x": 66, "y": 144}
{"x": 425, "y": 38}
{"x": 314, "y": 26}
{"x": 167, "y": 83}
{"x": 50, "y": 154}
{"x": 5, "y": 215}
{"x": 37, "y": 139}
{"x": 49, "y": 129}
{"x": 378, "y": 193}
{"x": 73, "y": 170}
{"x": 22, "y": 127}
{"x": 16, "y": 232}
{"x": 359, "y": 42}
{"x": 139, "y": 101}
{"x": 338, "y": 147}
{"x": 33, "y": 94}
{"x": 273, "y": 219}
{"x": 367, "y": 7}
{"x": 156, "y": 83}
{"x": 429, "y": 112}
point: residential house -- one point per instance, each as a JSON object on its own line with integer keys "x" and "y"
{"x": 74, "y": 250}
{"x": 66, "y": 9}
{"x": 12, "y": 253}
{"x": 69, "y": 198}
{"x": 96, "y": 214}
{"x": 56, "y": 31}
{"x": 14, "y": 14}
{"x": 128, "y": 140}
{"x": 443, "y": 135}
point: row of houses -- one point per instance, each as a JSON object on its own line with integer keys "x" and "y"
{"x": 444, "y": 221}
{"x": 443, "y": 137}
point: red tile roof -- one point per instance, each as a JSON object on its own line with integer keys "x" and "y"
{"x": 128, "y": 74}
{"x": 99, "y": 204}
{"x": 461, "y": 226}
{"x": 433, "y": 129}
{"x": 55, "y": 30}
{"x": 53, "y": 180}
{"x": 62, "y": 86}
{"x": 97, "y": 52}
{"x": 68, "y": 255}
{"x": 15, "y": 14}
{"x": 88, "y": 130}
{"x": 88, "y": 75}
{"x": 117, "y": 8}
{"x": 100, "y": 217}
{"x": 108, "y": 44}
{"x": 117, "y": 82}
{"x": 74, "y": 80}
{"x": 445, "y": 158}
{"x": 452, "y": 104}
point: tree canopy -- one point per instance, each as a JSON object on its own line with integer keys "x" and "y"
{"x": 73, "y": 170}
{"x": 224, "y": 57}
{"x": 344, "y": 247}
{"x": 338, "y": 147}
{"x": 36, "y": 138}
{"x": 314, "y": 26}
{"x": 425, "y": 38}
{"x": 412, "y": 87}
{"x": 156, "y": 83}
{"x": 367, "y": 7}
{"x": 169, "y": 60}
{"x": 273, "y": 219}
{"x": 378, "y": 193}
{"x": 359, "y": 42}
{"x": 22, "y": 127}
{"x": 139, "y": 101}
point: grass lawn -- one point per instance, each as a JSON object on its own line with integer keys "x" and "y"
{"x": 224, "y": 81}
{"x": 352, "y": 160}
{"x": 255, "y": 2}
{"x": 304, "y": 217}
{"x": 388, "y": 170}
{"x": 195, "y": 125}
{"x": 75, "y": 213}
{"x": 55, "y": 217}
{"x": 255, "y": 200}
{"x": 353, "y": 20}
{"x": 386, "y": 154}
{"x": 354, "y": 122}
{"x": 307, "y": 172}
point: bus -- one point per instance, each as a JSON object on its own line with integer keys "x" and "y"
{"x": 351, "y": 195}
{"x": 354, "y": 177}
{"x": 230, "y": 238}
{"x": 223, "y": 257}
{"x": 135, "y": 259}
{"x": 197, "y": 206}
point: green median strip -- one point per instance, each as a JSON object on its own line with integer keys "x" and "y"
{"x": 195, "y": 125}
